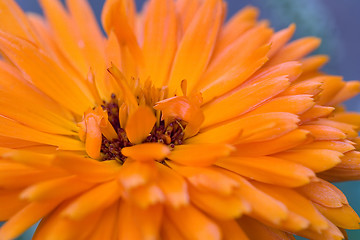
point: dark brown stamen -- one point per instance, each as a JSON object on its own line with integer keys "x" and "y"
{"x": 171, "y": 135}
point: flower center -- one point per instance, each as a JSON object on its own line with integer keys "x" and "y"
{"x": 171, "y": 135}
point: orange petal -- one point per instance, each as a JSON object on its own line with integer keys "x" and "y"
{"x": 217, "y": 206}
{"x": 13, "y": 129}
{"x": 34, "y": 109}
{"x": 93, "y": 42}
{"x": 320, "y": 132}
{"x": 295, "y": 50}
{"x": 313, "y": 63}
{"x": 290, "y": 69}
{"x": 280, "y": 38}
{"x": 193, "y": 52}
{"x": 257, "y": 230}
{"x": 55, "y": 225}
{"x": 230, "y": 73}
{"x": 10, "y": 203}
{"x": 348, "y": 169}
{"x": 64, "y": 89}
{"x": 206, "y": 179}
{"x": 97, "y": 198}
{"x": 146, "y": 195}
{"x": 14, "y": 21}
{"x": 117, "y": 17}
{"x": 136, "y": 173}
{"x": 282, "y": 143}
{"x": 230, "y": 229}
{"x": 311, "y": 87}
{"x": 93, "y": 138}
{"x": 169, "y": 231}
{"x": 352, "y": 118}
{"x": 317, "y": 160}
{"x": 146, "y": 152}
{"x": 193, "y": 224}
{"x": 25, "y": 218}
{"x": 349, "y": 130}
{"x": 340, "y": 146}
{"x": 296, "y": 104}
{"x": 65, "y": 33}
{"x": 173, "y": 186}
{"x": 297, "y": 204}
{"x": 106, "y": 228}
{"x": 184, "y": 108}
{"x": 237, "y": 25}
{"x": 256, "y": 128}
{"x": 344, "y": 217}
{"x": 350, "y": 90}
{"x": 262, "y": 205}
{"x": 139, "y": 124}
{"x": 160, "y": 40}
{"x": 88, "y": 169}
{"x": 15, "y": 175}
{"x": 247, "y": 98}
{"x": 323, "y": 193}
{"x": 149, "y": 220}
{"x": 250, "y": 50}
{"x": 59, "y": 188}
{"x": 260, "y": 168}
{"x": 315, "y": 112}
{"x": 199, "y": 154}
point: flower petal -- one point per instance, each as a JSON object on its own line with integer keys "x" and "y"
{"x": 146, "y": 152}
{"x": 193, "y": 224}
{"x": 246, "y": 99}
{"x": 199, "y": 154}
{"x": 98, "y": 198}
{"x": 25, "y": 218}
{"x": 160, "y": 40}
{"x": 139, "y": 124}
{"x": 194, "y": 52}
{"x": 259, "y": 168}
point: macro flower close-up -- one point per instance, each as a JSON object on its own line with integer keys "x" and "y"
{"x": 170, "y": 122}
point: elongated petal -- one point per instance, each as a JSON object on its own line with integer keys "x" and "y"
{"x": 10, "y": 203}
{"x": 59, "y": 188}
{"x": 220, "y": 207}
{"x": 246, "y": 99}
{"x": 316, "y": 159}
{"x": 193, "y": 224}
{"x": 140, "y": 124}
{"x": 344, "y": 217}
{"x": 93, "y": 200}
{"x": 323, "y": 193}
{"x": 282, "y": 143}
{"x": 296, "y": 203}
{"x": 13, "y": 129}
{"x": 40, "y": 69}
{"x": 260, "y": 169}
{"x": 146, "y": 151}
{"x": 194, "y": 53}
{"x": 160, "y": 51}
{"x": 295, "y": 50}
{"x": 25, "y": 218}
{"x": 173, "y": 186}
{"x": 88, "y": 169}
{"x": 199, "y": 154}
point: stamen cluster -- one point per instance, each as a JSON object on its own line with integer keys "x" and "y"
{"x": 171, "y": 135}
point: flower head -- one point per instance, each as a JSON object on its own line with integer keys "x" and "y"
{"x": 175, "y": 125}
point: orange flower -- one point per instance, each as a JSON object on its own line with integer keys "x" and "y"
{"x": 177, "y": 125}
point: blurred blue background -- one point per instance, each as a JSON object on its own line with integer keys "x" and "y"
{"x": 336, "y": 22}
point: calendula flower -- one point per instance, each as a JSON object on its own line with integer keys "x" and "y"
{"x": 176, "y": 125}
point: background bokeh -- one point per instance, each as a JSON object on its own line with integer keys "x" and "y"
{"x": 336, "y": 22}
